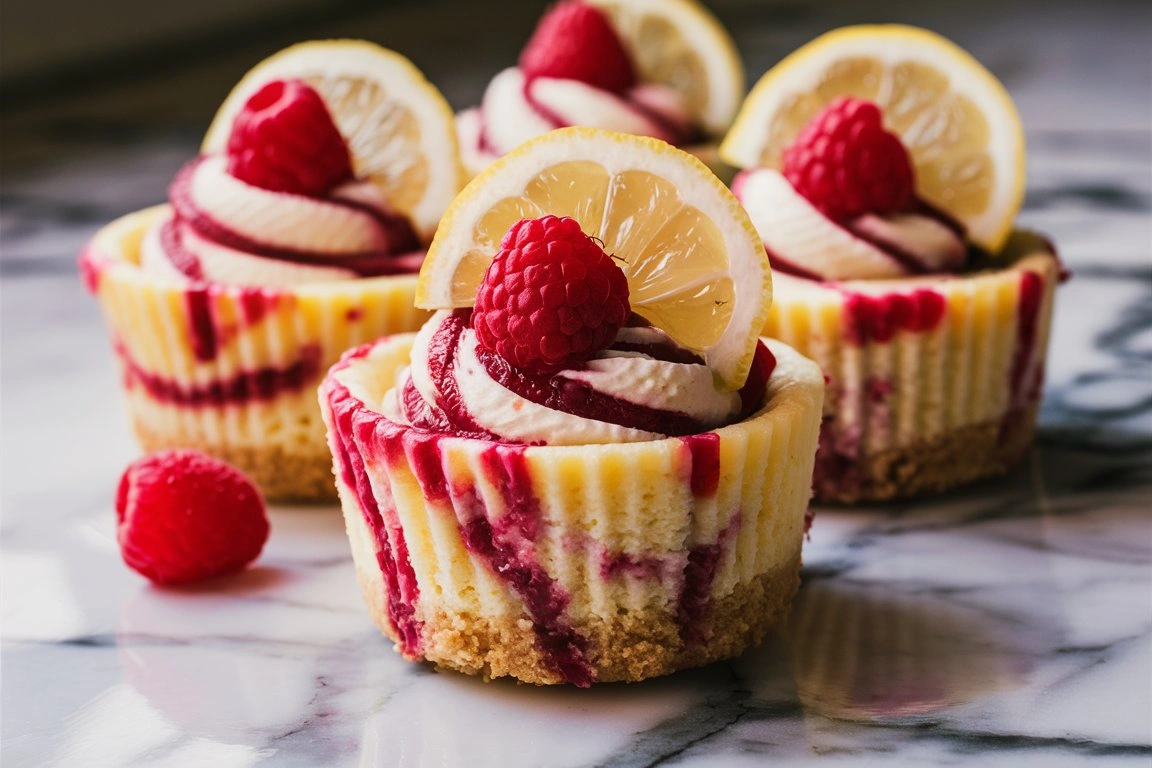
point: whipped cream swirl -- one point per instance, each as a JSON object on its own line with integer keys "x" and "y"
{"x": 802, "y": 241}
{"x": 516, "y": 108}
{"x": 643, "y": 387}
{"x": 223, "y": 230}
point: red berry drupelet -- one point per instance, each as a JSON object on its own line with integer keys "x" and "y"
{"x": 551, "y": 297}
{"x": 576, "y": 41}
{"x": 846, "y": 164}
{"x": 184, "y": 516}
{"x": 284, "y": 140}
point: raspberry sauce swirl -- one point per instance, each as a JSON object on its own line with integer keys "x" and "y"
{"x": 223, "y": 230}
{"x": 802, "y": 241}
{"x": 642, "y": 387}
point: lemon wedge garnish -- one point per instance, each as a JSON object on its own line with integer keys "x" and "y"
{"x": 680, "y": 44}
{"x": 956, "y": 119}
{"x": 400, "y": 131}
{"x": 696, "y": 267}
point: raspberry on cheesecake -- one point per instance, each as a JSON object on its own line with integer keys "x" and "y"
{"x": 578, "y": 68}
{"x": 846, "y": 164}
{"x": 576, "y": 41}
{"x": 284, "y": 140}
{"x": 550, "y": 297}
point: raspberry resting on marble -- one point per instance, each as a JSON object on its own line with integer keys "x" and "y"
{"x": 284, "y": 140}
{"x": 551, "y": 296}
{"x": 184, "y": 516}
{"x": 846, "y": 164}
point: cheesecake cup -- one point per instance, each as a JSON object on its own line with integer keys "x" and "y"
{"x": 572, "y": 564}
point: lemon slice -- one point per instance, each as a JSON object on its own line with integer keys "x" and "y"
{"x": 955, "y": 117}
{"x": 679, "y": 43}
{"x": 696, "y": 267}
{"x": 401, "y": 133}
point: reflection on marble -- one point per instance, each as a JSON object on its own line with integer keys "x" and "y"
{"x": 1003, "y": 625}
{"x": 1006, "y": 623}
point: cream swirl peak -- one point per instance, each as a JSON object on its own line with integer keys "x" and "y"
{"x": 280, "y": 207}
{"x": 517, "y": 108}
{"x": 551, "y": 353}
{"x": 574, "y": 71}
{"x": 845, "y": 206}
{"x": 802, "y": 240}
{"x": 641, "y": 387}
{"x": 224, "y": 230}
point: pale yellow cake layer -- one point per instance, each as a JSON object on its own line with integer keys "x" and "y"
{"x": 632, "y": 500}
{"x": 921, "y": 385}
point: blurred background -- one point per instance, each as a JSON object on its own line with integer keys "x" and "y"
{"x": 101, "y": 102}
{"x": 80, "y": 79}
{"x": 155, "y": 68}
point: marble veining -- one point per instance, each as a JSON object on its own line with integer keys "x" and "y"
{"x": 1006, "y": 624}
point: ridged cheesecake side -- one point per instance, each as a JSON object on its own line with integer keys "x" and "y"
{"x": 233, "y": 371}
{"x": 934, "y": 381}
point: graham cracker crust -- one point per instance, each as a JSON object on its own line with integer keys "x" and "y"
{"x": 959, "y": 457}
{"x": 280, "y": 475}
{"x": 630, "y": 646}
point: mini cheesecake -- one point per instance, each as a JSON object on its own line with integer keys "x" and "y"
{"x": 295, "y": 234}
{"x": 883, "y": 169}
{"x": 573, "y": 563}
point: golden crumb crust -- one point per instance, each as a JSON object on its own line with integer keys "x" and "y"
{"x": 280, "y": 474}
{"x": 959, "y": 457}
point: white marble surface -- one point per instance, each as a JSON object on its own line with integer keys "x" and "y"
{"x": 1008, "y": 624}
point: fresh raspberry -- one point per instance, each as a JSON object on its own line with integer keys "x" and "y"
{"x": 576, "y": 41}
{"x": 551, "y": 296}
{"x": 284, "y": 140}
{"x": 184, "y": 516}
{"x": 846, "y": 164}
